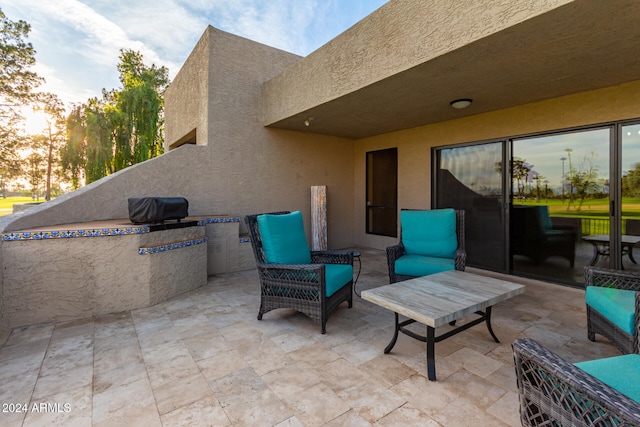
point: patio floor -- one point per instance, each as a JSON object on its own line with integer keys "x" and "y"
{"x": 203, "y": 359}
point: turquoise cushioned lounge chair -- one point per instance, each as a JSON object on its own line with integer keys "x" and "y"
{"x": 292, "y": 276}
{"x": 554, "y": 392}
{"x": 431, "y": 241}
{"x": 613, "y": 306}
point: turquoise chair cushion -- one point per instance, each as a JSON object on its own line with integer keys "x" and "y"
{"x": 283, "y": 238}
{"x": 419, "y": 265}
{"x": 429, "y": 233}
{"x": 617, "y": 305}
{"x": 621, "y": 373}
{"x": 336, "y": 276}
{"x": 545, "y": 219}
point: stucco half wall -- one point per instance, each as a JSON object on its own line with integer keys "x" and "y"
{"x": 171, "y": 174}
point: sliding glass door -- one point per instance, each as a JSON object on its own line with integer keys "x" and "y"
{"x": 560, "y": 203}
{"x": 566, "y": 200}
{"x": 471, "y": 178}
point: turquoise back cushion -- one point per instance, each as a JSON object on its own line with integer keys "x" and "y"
{"x": 620, "y": 372}
{"x": 283, "y": 238}
{"x": 617, "y": 305}
{"x": 545, "y": 219}
{"x": 430, "y": 233}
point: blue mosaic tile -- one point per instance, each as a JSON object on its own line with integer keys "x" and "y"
{"x": 171, "y": 246}
{"x": 67, "y": 234}
{"x": 218, "y": 220}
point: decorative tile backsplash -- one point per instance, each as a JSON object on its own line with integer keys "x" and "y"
{"x": 172, "y": 246}
{"x": 99, "y": 232}
{"x": 66, "y": 234}
{"x": 218, "y": 220}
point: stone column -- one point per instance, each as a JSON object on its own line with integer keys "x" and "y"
{"x": 319, "y": 218}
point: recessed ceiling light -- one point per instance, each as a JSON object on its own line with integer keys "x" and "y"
{"x": 459, "y": 104}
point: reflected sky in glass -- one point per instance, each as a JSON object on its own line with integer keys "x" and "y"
{"x": 476, "y": 165}
{"x": 590, "y": 148}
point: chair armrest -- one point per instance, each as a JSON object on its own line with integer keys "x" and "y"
{"x": 296, "y": 275}
{"x": 461, "y": 259}
{"x": 552, "y": 388}
{"x": 394, "y": 252}
{"x": 605, "y": 277}
{"x": 332, "y": 257}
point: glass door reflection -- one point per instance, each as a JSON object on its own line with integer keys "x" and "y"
{"x": 559, "y": 213}
{"x": 470, "y": 178}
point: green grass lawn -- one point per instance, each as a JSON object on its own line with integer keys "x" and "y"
{"x": 595, "y": 210}
{"x": 590, "y": 207}
{"x": 6, "y": 204}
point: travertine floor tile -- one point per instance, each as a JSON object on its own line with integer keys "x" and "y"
{"x": 203, "y": 358}
{"x": 205, "y": 412}
{"x": 130, "y": 404}
{"x": 407, "y": 416}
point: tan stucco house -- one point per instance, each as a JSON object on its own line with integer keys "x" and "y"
{"x": 250, "y": 128}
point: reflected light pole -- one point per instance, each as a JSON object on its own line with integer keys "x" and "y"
{"x": 562, "y": 159}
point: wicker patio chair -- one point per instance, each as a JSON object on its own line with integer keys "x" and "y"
{"x": 533, "y": 235}
{"x": 554, "y": 392}
{"x": 456, "y": 260}
{"x": 302, "y": 287}
{"x": 607, "y": 285}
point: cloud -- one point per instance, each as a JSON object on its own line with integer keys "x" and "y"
{"x": 78, "y": 41}
{"x": 278, "y": 23}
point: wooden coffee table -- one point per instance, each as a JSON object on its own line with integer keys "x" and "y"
{"x": 441, "y": 299}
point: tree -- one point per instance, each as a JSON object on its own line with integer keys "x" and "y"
{"x": 17, "y": 84}
{"x": 140, "y": 104}
{"x": 520, "y": 170}
{"x": 631, "y": 182}
{"x": 35, "y": 172}
{"x": 73, "y": 154}
{"x": 53, "y": 135}
{"x": 584, "y": 181}
{"x": 121, "y": 129}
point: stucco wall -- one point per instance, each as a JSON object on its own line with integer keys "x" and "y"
{"x": 414, "y": 145}
{"x": 189, "y": 91}
{"x": 249, "y": 168}
{"x": 398, "y": 36}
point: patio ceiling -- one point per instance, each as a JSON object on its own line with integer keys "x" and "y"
{"x": 584, "y": 45}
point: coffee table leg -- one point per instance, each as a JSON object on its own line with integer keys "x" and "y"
{"x": 596, "y": 252}
{"x": 395, "y": 336}
{"x": 488, "y": 320}
{"x": 431, "y": 356}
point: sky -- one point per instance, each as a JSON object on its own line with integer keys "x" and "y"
{"x": 77, "y": 42}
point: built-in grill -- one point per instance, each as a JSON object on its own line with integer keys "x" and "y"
{"x": 157, "y": 210}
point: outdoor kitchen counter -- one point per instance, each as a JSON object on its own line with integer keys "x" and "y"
{"x": 71, "y": 271}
